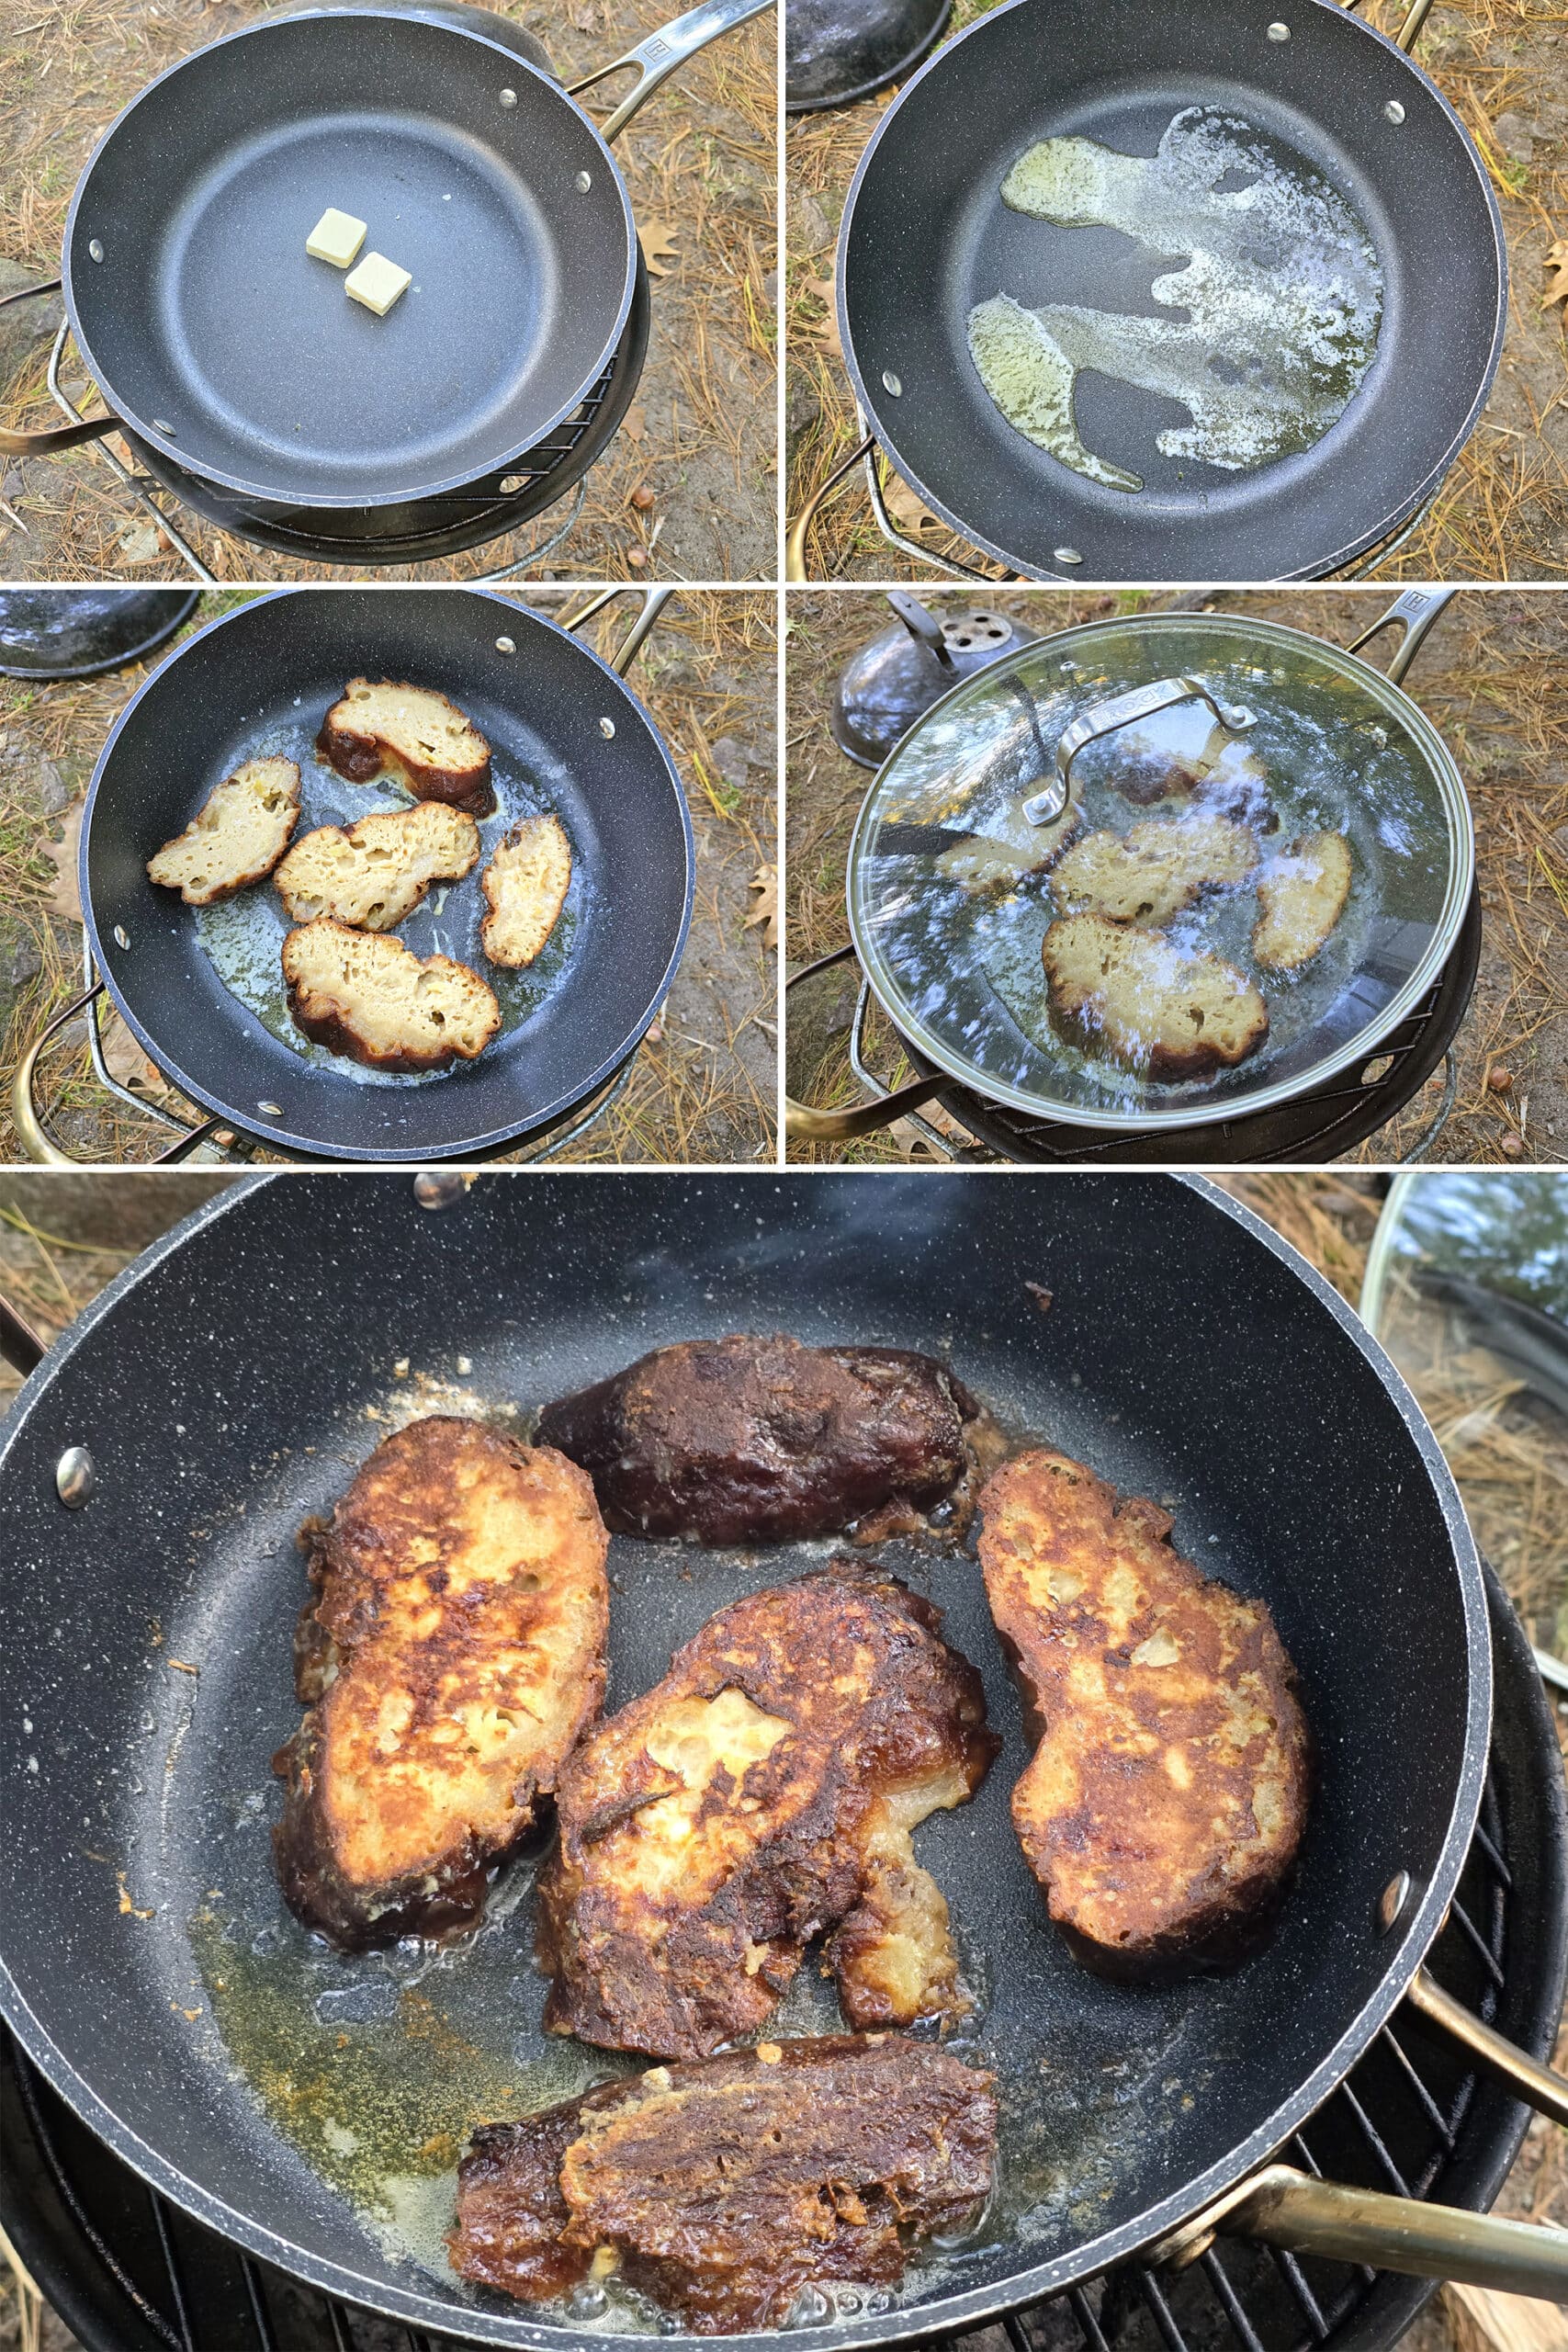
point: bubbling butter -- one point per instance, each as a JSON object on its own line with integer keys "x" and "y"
{"x": 1281, "y": 290}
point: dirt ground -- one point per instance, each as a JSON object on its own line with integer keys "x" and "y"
{"x": 703, "y": 1087}
{"x": 1503, "y": 513}
{"x": 63, "y": 1236}
{"x": 1491, "y": 678}
{"x": 688, "y": 490}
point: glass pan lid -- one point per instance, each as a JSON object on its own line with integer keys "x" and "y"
{"x": 950, "y": 893}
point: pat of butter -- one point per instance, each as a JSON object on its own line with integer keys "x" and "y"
{"x": 336, "y": 237}
{"x": 377, "y": 283}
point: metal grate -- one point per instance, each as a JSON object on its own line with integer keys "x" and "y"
{"x": 129, "y": 2273}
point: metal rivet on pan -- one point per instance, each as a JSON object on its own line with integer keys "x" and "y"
{"x": 270, "y": 1109}
{"x": 584, "y": 182}
{"x": 121, "y": 936}
{"x": 509, "y": 97}
{"x": 162, "y": 424}
{"x": 506, "y": 645}
{"x": 607, "y": 727}
{"x": 1394, "y": 112}
{"x": 94, "y": 249}
{"x": 891, "y": 383}
{"x": 1278, "y": 33}
{"x": 1067, "y": 555}
{"x": 75, "y": 1479}
{"x": 438, "y": 1192}
{"x": 1393, "y": 1901}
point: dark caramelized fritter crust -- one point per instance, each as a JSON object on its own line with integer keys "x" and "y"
{"x": 763, "y": 1441}
{"x": 764, "y": 1792}
{"x": 723, "y": 2187}
{"x": 450, "y": 1655}
{"x": 1167, "y": 1799}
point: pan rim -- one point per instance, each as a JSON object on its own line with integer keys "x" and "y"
{"x": 1200, "y": 1113}
{"x": 278, "y": 1134}
{"x": 440, "y": 484}
{"x": 1315, "y": 568}
{"x": 980, "y": 2304}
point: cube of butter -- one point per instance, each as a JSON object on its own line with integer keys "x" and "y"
{"x": 336, "y": 237}
{"x": 377, "y": 283}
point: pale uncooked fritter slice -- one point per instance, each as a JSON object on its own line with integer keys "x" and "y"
{"x": 373, "y": 873}
{"x": 1165, "y": 1012}
{"x": 412, "y": 733}
{"x": 1153, "y": 871}
{"x": 362, "y": 994}
{"x": 1299, "y": 900}
{"x": 236, "y": 836}
{"x": 524, "y": 884}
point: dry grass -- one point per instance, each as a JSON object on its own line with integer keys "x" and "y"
{"x": 700, "y": 158}
{"x": 1503, "y": 513}
{"x": 701, "y": 1088}
{"x": 1491, "y": 678}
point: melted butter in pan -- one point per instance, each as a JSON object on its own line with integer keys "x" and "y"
{"x": 1281, "y": 291}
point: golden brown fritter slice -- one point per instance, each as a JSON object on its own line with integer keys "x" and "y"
{"x": 764, "y": 1790}
{"x": 723, "y": 2187}
{"x": 1166, "y": 1799}
{"x": 451, "y": 1652}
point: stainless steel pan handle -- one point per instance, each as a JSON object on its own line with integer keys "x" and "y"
{"x": 1416, "y": 610}
{"x": 659, "y": 56}
{"x": 1409, "y": 32}
{"x": 50, "y": 436}
{"x": 1126, "y": 710}
{"x": 1286, "y": 2208}
{"x": 654, "y": 603}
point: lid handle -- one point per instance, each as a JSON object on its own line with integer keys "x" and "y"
{"x": 922, "y": 626}
{"x": 1124, "y": 710}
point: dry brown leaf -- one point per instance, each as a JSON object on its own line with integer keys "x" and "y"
{"x": 825, "y": 333}
{"x": 765, "y": 882}
{"x": 1557, "y": 259}
{"x": 906, "y": 508}
{"x": 636, "y": 421}
{"x": 64, "y": 900}
{"x": 124, "y": 1058}
{"x": 659, "y": 244}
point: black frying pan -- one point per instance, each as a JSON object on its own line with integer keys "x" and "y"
{"x": 226, "y": 1387}
{"x": 567, "y": 735}
{"x": 219, "y": 344}
{"x": 925, "y": 235}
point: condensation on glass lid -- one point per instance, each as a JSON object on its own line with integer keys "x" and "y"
{"x": 1281, "y": 290}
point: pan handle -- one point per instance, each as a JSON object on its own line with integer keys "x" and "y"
{"x": 803, "y": 1123}
{"x": 1538, "y": 2086}
{"x": 1286, "y": 2208}
{"x": 1409, "y": 32}
{"x": 1124, "y": 710}
{"x": 52, "y": 436}
{"x": 1416, "y": 609}
{"x": 657, "y": 57}
{"x": 654, "y": 603}
{"x": 27, "y": 1119}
